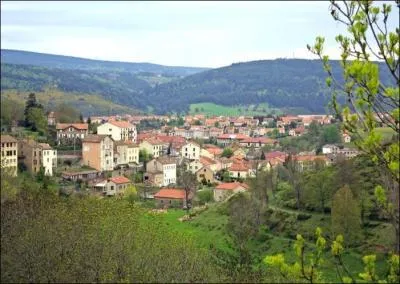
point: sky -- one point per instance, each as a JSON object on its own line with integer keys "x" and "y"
{"x": 182, "y": 33}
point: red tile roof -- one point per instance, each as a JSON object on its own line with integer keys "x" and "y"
{"x": 310, "y": 158}
{"x": 121, "y": 124}
{"x": 171, "y": 139}
{"x": 80, "y": 126}
{"x": 120, "y": 180}
{"x": 154, "y": 141}
{"x": 7, "y": 138}
{"x": 205, "y": 161}
{"x": 233, "y": 136}
{"x": 238, "y": 167}
{"x": 171, "y": 193}
{"x": 214, "y": 151}
{"x": 45, "y": 146}
{"x": 231, "y": 185}
{"x": 275, "y": 154}
{"x": 94, "y": 138}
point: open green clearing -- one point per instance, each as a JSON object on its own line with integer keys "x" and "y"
{"x": 214, "y": 109}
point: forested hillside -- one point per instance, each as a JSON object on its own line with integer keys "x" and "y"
{"x": 281, "y": 84}
{"x": 69, "y": 62}
{"x": 118, "y": 87}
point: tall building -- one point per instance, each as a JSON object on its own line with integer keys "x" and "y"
{"x": 119, "y": 130}
{"x": 98, "y": 152}
{"x": 9, "y": 153}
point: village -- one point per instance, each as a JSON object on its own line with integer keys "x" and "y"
{"x": 221, "y": 152}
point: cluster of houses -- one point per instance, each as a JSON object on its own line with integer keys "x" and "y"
{"x": 117, "y": 145}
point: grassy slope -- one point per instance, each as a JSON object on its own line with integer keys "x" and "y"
{"x": 209, "y": 230}
{"x": 85, "y": 103}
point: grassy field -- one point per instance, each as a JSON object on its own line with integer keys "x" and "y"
{"x": 214, "y": 109}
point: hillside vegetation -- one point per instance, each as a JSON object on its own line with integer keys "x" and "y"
{"x": 69, "y": 62}
{"x": 290, "y": 85}
{"x": 50, "y": 98}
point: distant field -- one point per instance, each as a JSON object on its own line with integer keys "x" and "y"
{"x": 386, "y": 132}
{"x": 214, "y": 109}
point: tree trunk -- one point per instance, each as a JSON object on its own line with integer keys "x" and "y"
{"x": 297, "y": 189}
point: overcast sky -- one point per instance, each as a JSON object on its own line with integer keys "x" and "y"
{"x": 204, "y": 34}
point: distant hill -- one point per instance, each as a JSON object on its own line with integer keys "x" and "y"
{"x": 284, "y": 84}
{"x": 281, "y": 83}
{"x": 69, "y": 62}
{"x": 119, "y": 87}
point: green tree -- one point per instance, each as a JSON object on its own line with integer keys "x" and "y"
{"x": 11, "y": 111}
{"x": 37, "y": 120}
{"x": 241, "y": 227}
{"x": 144, "y": 156}
{"x": 331, "y": 135}
{"x": 227, "y": 152}
{"x": 346, "y": 219}
{"x": 369, "y": 102}
{"x": 29, "y": 104}
{"x": 188, "y": 181}
{"x": 318, "y": 188}
{"x": 293, "y": 173}
{"x": 131, "y": 194}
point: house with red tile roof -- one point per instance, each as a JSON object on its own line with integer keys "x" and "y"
{"x": 298, "y": 131}
{"x": 227, "y": 139}
{"x": 214, "y": 165}
{"x": 166, "y": 166}
{"x": 275, "y": 154}
{"x": 211, "y": 152}
{"x": 153, "y": 146}
{"x": 257, "y": 142}
{"x": 114, "y": 185}
{"x": 239, "y": 170}
{"x": 171, "y": 197}
{"x": 224, "y": 190}
{"x": 119, "y": 130}
{"x": 98, "y": 152}
{"x": 191, "y": 151}
{"x": 70, "y": 133}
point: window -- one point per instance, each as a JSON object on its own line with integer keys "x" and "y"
{"x": 194, "y": 149}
